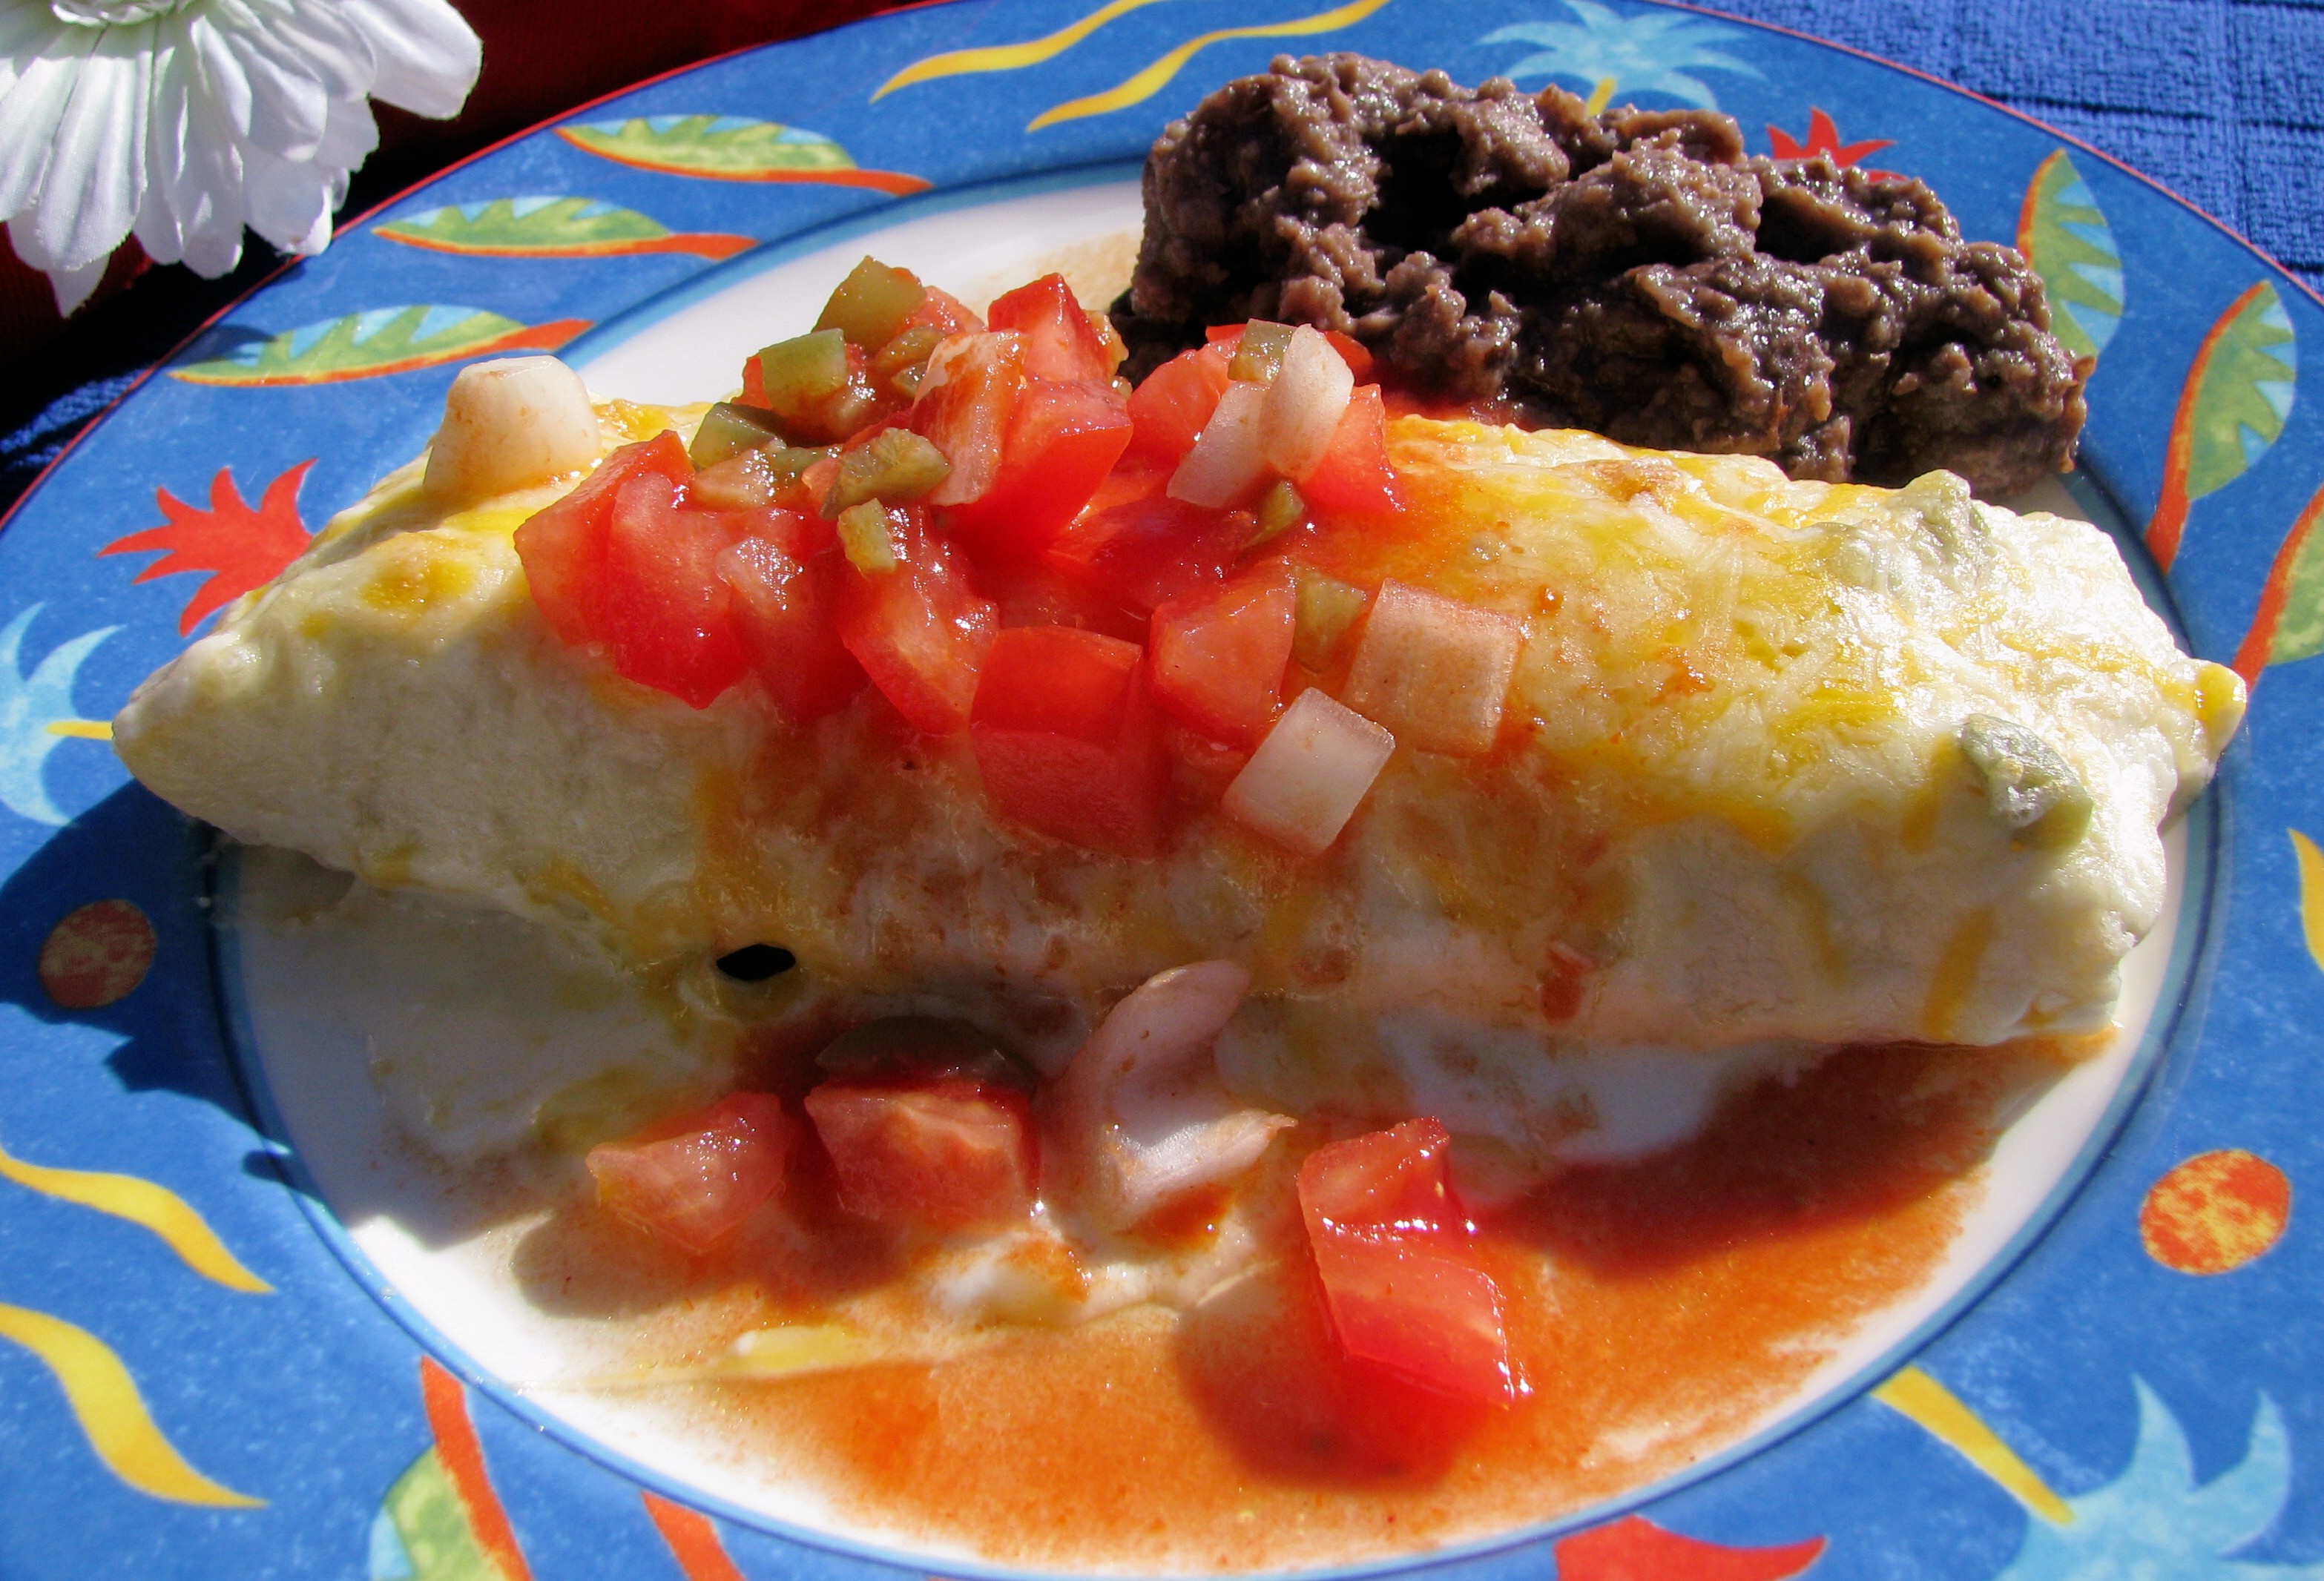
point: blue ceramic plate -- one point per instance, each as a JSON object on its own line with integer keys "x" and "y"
{"x": 207, "y": 1375}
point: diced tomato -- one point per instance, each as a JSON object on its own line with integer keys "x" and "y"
{"x": 1404, "y": 1289}
{"x": 1060, "y": 342}
{"x": 1044, "y": 592}
{"x": 1170, "y": 409}
{"x": 950, "y": 1155}
{"x": 1145, "y": 552}
{"x": 693, "y": 1182}
{"x": 784, "y": 614}
{"x": 1229, "y": 336}
{"x": 665, "y": 615}
{"x": 754, "y": 382}
{"x": 1062, "y": 440}
{"x": 563, "y": 546}
{"x": 1067, "y": 739}
{"x": 964, "y": 408}
{"x": 1219, "y": 655}
{"x": 921, "y": 631}
{"x": 1354, "y": 475}
{"x": 940, "y": 309}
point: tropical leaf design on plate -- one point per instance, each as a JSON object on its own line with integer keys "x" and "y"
{"x": 441, "y": 1520}
{"x": 552, "y": 227}
{"x": 1150, "y": 81}
{"x": 37, "y": 714}
{"x": 2155, "y": 1519}
{"x": 2288, "y": 623}
{"x": 731, "y": 148}
{"x": 1634, "y": 1549}
{"x": 240, "y": 548}
{"x": 106, "y": 1400}
{"x": 2232, "y": 407}
{"x": 367, "y": 345}
{"x": 2065, "y": 236}
{"x": 1607, "y": 53}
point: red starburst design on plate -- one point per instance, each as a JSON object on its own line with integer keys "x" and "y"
{"x": 1823, "y": 138}
{"x": 240, "y": 548}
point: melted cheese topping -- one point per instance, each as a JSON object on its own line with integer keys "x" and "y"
{"x": 1731, "y": 781}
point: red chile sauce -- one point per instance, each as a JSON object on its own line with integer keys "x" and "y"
{"x": 1659, "y": 1311}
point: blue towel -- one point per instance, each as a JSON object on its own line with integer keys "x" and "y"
{"x": 2222, "y": 100}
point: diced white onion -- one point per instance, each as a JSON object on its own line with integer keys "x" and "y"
{"x": 509, "y": 424}
{"x": 1304, "y": 405}
{"x": 1433, "y": 670}
{"x": 1226, "y": 459}
{"x": 1145, "y": 1116}
{"x": 1308, "y": 776}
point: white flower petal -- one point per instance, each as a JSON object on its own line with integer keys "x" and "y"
{"x": 97, "y": 169}
{"x": 222, "y": 75}
{"x": 156, "y": 227}
{"x": 327, "y": 45}
{"x": 427, "y": 55}
{"x": 288, "y": 202}
{"x": 287, "y": 105}
{"x": 24, "y": 31}
{"x": 73, "y": 286}
{"x": 30, "y": 113}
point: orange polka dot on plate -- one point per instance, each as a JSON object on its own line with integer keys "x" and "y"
{"x": 2215, "y": 1212}
{"x": 98, "y": 955}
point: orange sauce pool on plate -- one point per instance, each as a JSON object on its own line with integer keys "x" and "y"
{"x": 1659, "y": 1311}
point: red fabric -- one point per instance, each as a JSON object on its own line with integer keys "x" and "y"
{"x": 540, "y": 57}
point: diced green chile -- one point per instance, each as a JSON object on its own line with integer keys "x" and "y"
{"x": 1279, "y": 510}
{"x": 1326, "y": 606}
{"x": 904, "y": 1047}
{"x": 2029, "y": 788}
{"x": 870, "y": 305}
{"x": 1259, "y": 357}
{"x": 728, "y": 429}
{"x": 898, "y": 466}
{"x": 868, "y": 539}
{"x": 804, "y": 372}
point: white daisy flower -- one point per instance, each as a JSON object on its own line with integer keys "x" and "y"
{"x": 184, "y": 120}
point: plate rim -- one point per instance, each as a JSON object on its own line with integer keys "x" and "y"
{"x": 2203, "y": 947}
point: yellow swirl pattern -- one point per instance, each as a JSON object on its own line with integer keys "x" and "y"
{"x": 1009, "y": 57}
{"x": 2311, "y": 893}
{"x": 85, "y": 730}
{"x": 105, "y": 1398}
{"x": 141, "y": 1202}
{"x": 1914, "y": 1394}
{"x": 1151, "y": 80}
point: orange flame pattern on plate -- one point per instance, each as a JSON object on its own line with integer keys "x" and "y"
{"x": 462, "y": 1455}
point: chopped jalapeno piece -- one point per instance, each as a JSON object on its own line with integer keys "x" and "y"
{"x": 2028, "y": 787}
{"x": 898, "y": 466}
{"x": 1260, "y": 356}
{"x": 868, "y": 539}
{"x": 1279, "y": 510}
{"x": 803, "y": 373}
{"x": 870, "y": 305}
{"x": 903, "y": 362}
{"x": 852, "y": 409}
{"x": 1326, "y": 608}
{"x": 729, "y": 428}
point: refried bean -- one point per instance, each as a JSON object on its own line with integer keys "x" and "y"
{"x": 1632, "y": 273}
